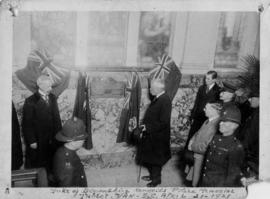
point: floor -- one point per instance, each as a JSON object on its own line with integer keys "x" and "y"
{"x": 126, "y": 176}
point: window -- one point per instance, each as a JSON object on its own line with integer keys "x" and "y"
{"x": 229, "y": 39}
{"x": 107, "y": 35}
{"x": 154, "y": 36}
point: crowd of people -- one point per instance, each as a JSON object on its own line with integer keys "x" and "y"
{"x": 223, "y": 139}
{"x": 224, "y": 136}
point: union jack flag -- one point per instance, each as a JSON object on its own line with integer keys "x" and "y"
{"x": 162, "y": 68}
{"x": 131, "y": 85}
{"x": 39, "y": 62}
{"x": 47, "y": 66}
{"x": 129, "y": 117}
{"x": 167, "y": 69}
{"x": 82, "y": 107}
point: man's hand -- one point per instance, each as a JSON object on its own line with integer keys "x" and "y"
{"x": 143, "y": 127}
{"x": 190, "y": 119}
{"x": 33, "y": 145}
{"x": 248, "y": 181}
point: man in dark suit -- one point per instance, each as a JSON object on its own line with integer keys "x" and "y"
{"x": 17, "y": 155}
{"x": 41, "y": 121}
{"x": 249, "y": 136}
{"x": 155, "y": 147}
{"x": 207, "y": 93}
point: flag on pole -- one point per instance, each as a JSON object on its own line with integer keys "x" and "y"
{"x": 39, "y": 62}
{"x": 129, "y": 118}
{"x": 167, "y": 69}
{"x": 82, "y": 109}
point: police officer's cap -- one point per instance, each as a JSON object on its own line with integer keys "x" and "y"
{"x": 231, "y": 113}
{"x": 228, "y": 87}
{"x": 73, "y": 130}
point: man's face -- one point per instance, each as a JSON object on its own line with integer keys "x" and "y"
{"x": 254, "y": 102}
{"x": 226, "y": 96}
{"x": 227, "y": 127}
{"x": 209, "y": 110}
{"x": 45, "y": 86}
{"x": 154, "y": 88}
{"x": 78, "y": 144}
{"x": 209, "y": 80}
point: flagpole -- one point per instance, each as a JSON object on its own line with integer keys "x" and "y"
{"x": 105, "y": 68}
{"x": 110, "y": 68}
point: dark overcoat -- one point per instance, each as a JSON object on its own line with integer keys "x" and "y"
{"x": 68, "y": 169}
{"x": 155, "y": 147}
{"x": 17, "y": 155}
{"x": 41, "y": 121}
{"x": 224, "y": 158}
{"x": 250, "y": 141}
{"x": 197, "y": 113}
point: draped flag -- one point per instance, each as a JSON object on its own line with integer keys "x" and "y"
{"x": 82, "y": 109}
{"x": 129, "y": 118}
{"x": 38, "y": 62}
{"x": 167, "y": 69}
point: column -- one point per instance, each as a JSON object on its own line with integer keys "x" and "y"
{"x": 179, "y": 37}
{"x": 132, "y": 38}
{"x": 6, "y": 42}
{"x": 81, "y": 49}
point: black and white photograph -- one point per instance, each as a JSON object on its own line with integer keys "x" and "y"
{"x": 125, "y": 98}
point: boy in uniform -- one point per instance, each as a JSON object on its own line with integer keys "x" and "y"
{"x": 67, "y": 167}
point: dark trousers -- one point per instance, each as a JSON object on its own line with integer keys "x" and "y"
{"x": 154, "y": 172}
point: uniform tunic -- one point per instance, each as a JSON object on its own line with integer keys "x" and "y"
{"x": 250, "y": 141}
{"x": 68, "y": 169}
{"x": 223, "y": 162}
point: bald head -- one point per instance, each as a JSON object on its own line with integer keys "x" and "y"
{"x": 157, "y": 86}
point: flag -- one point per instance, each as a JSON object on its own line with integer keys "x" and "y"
{"x": 39, "y": 62}
{"x": 82, "y": 109}
{"x": 167, "y": 69}
{"x": 129, "y": 118}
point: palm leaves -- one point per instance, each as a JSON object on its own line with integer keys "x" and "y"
{"x": 251, "y": 74}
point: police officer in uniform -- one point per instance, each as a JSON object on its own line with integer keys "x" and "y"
{"x": 68, "y": 169}
{"x": 225, "y": 154}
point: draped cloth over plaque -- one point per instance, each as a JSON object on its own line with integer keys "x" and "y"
{"x": 39, "y": 62}
{"x": 82, "y": 109}
{"x": 129, "y": 118}
{"x": 167, "y": 69}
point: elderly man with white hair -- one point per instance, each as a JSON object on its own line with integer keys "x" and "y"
{"x": 41, "y": 121}
{"x": 155, "y": 148}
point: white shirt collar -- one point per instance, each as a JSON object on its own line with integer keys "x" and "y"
{"x": 158, "y": 95}
{"x": 213, "y": 118}
{"x": 211, "y": 86}
{"x": 42, "y": 93}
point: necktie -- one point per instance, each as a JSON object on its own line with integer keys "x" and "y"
{"x": 207, "y": 89}
{"x": 46, "y": 98}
